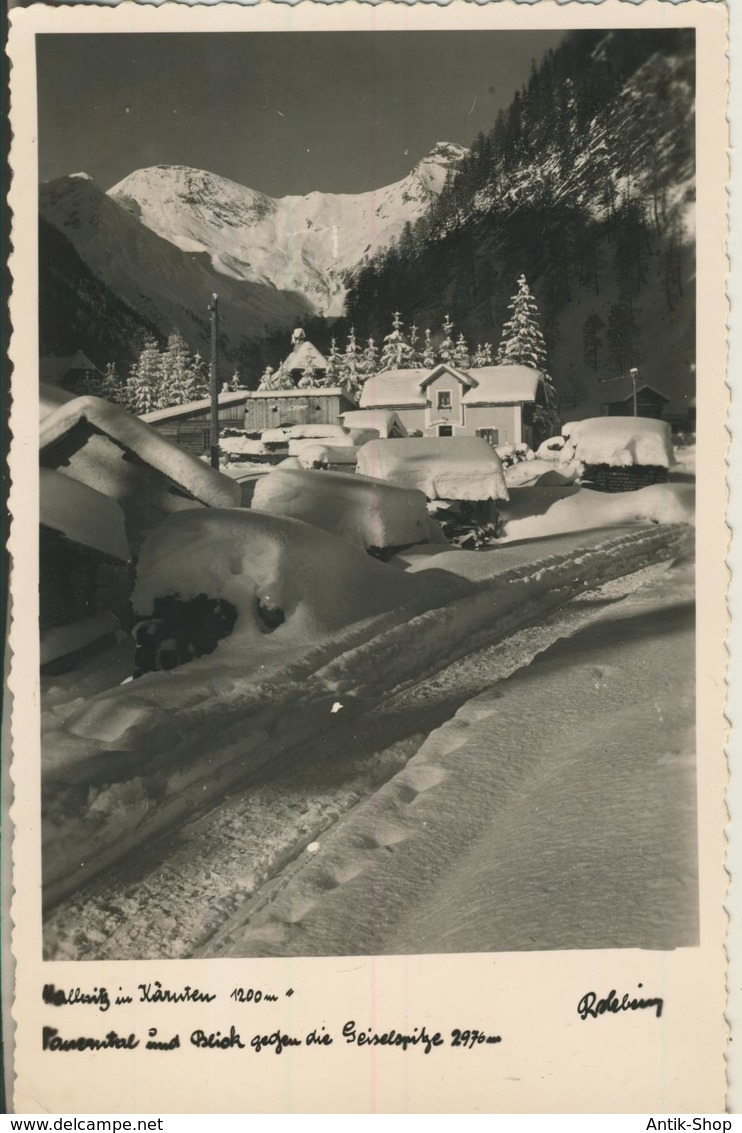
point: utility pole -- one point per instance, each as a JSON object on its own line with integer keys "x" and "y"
{"x": 634, "y": 374}
{"x": 214, "y": 381}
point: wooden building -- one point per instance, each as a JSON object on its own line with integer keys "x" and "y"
{"x": 650, "y": 402}
{"x": 118, "y": 455}
{"x": 84, "y": 577}
{"x": 189, "y": 426}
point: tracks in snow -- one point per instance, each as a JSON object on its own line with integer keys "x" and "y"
{"x": 189, "y": 892}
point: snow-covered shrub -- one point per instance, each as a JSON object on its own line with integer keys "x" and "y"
{"x": 174, "y": 632}
{"x": 514, "y": 454}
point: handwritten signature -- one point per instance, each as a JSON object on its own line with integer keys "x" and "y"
{"x": 590, "y": 1007}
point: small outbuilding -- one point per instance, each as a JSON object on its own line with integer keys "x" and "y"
{"x": 457, "y": 468}
{"x": 650, "y": 402}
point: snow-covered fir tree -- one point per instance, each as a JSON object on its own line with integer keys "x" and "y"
{"x": 112, "y": 387}
{"x": 416, "y": 356}
{"x": 447, "y": 347}
{"x": 354, "y": 371}
{"x": 483, "y": 355}
{"x": 370, "y": 359}
{"x": 335, "y": 365}
{"x": 460, "y": 356}
{"x": 428, "y": 354}
{"x": 143, "y": 387}
{"x": 175, "y": 372}
{"x": 396, "y": 353}
{"x": 197, "y": 386}
{"x": 275, "y": 379}
{"x": 522, "y": 342}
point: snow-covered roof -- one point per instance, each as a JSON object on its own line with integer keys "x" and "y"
{"x": 385, "y": 421}
{"x": 502, "y": 385}
{"x": 621, "y": 441}
{"x": 444, "y": 468}
{"x": 53, "y": 370}
{"x": 50, "y": 396}
{"x": 484, "y": 385}
{"x": 82, "y": 515}
{"x": 308, "y": 391}
{"x": 301, "y": 356}
{"x": 231, "y": 397}
{"x": 622, "y": 389}
{"x": 200, "y": 481}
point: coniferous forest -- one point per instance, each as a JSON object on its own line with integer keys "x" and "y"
{"x": 586, "y": 184}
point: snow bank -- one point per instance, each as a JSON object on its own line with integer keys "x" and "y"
{"x": 82, "y": 515}
{"x": 242, "y": 446}
{"x": 585, "y": 509}
{"x": 200, "y": 481}
{"x": 546, "y": 473}
{"x": 302, "y": 432}
{"x": 621, "y": 441}
{"x": 363, "y": 512}
{"x": 444, "y": 468}
{"x": 267, "y": 562}
{"x": 685, "y": 460}
{"x": 312, "y": 454}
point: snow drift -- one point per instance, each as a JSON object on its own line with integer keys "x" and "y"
{"x": 585, "y": 509}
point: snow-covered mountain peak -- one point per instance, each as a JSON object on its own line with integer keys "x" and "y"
{"x": 433, "y": 169}
{"x": 304, "y": 243}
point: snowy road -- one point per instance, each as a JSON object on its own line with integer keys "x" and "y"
{"x": 497, "y": 878}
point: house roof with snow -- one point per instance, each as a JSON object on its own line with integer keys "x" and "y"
{"x": 302, "y": 355}
{"x": 55, "y": 370}
{"x": 482, "y": 385}
{"x": 622, "y": 389}
{"x": 444, "y": 468}
{"x": 172, "y": 412}
{"x": 85, "y": 416}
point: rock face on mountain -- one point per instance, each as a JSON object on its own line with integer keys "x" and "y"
{"x": 307, "y": 245}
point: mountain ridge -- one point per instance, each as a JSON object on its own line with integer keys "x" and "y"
{"x": 308, "y": 244}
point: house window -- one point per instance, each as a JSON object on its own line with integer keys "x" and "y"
{"x": 491, "y": 436}
{"x": 206, "y": 440}
{"x": 444, "y": 399}
{"x": 445, "y": 430}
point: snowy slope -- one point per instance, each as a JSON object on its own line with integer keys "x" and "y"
{"x": 306, "y": 244}
{"x": 170, "y": 286}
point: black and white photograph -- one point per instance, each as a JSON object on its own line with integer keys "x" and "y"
{"x": 367, "y": 489}
{"x": 366, "y": 657}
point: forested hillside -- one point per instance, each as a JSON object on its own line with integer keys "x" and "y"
{"x": 586, "y": 184}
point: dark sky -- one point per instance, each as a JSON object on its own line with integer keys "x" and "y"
{"x": 280, "y": 112}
